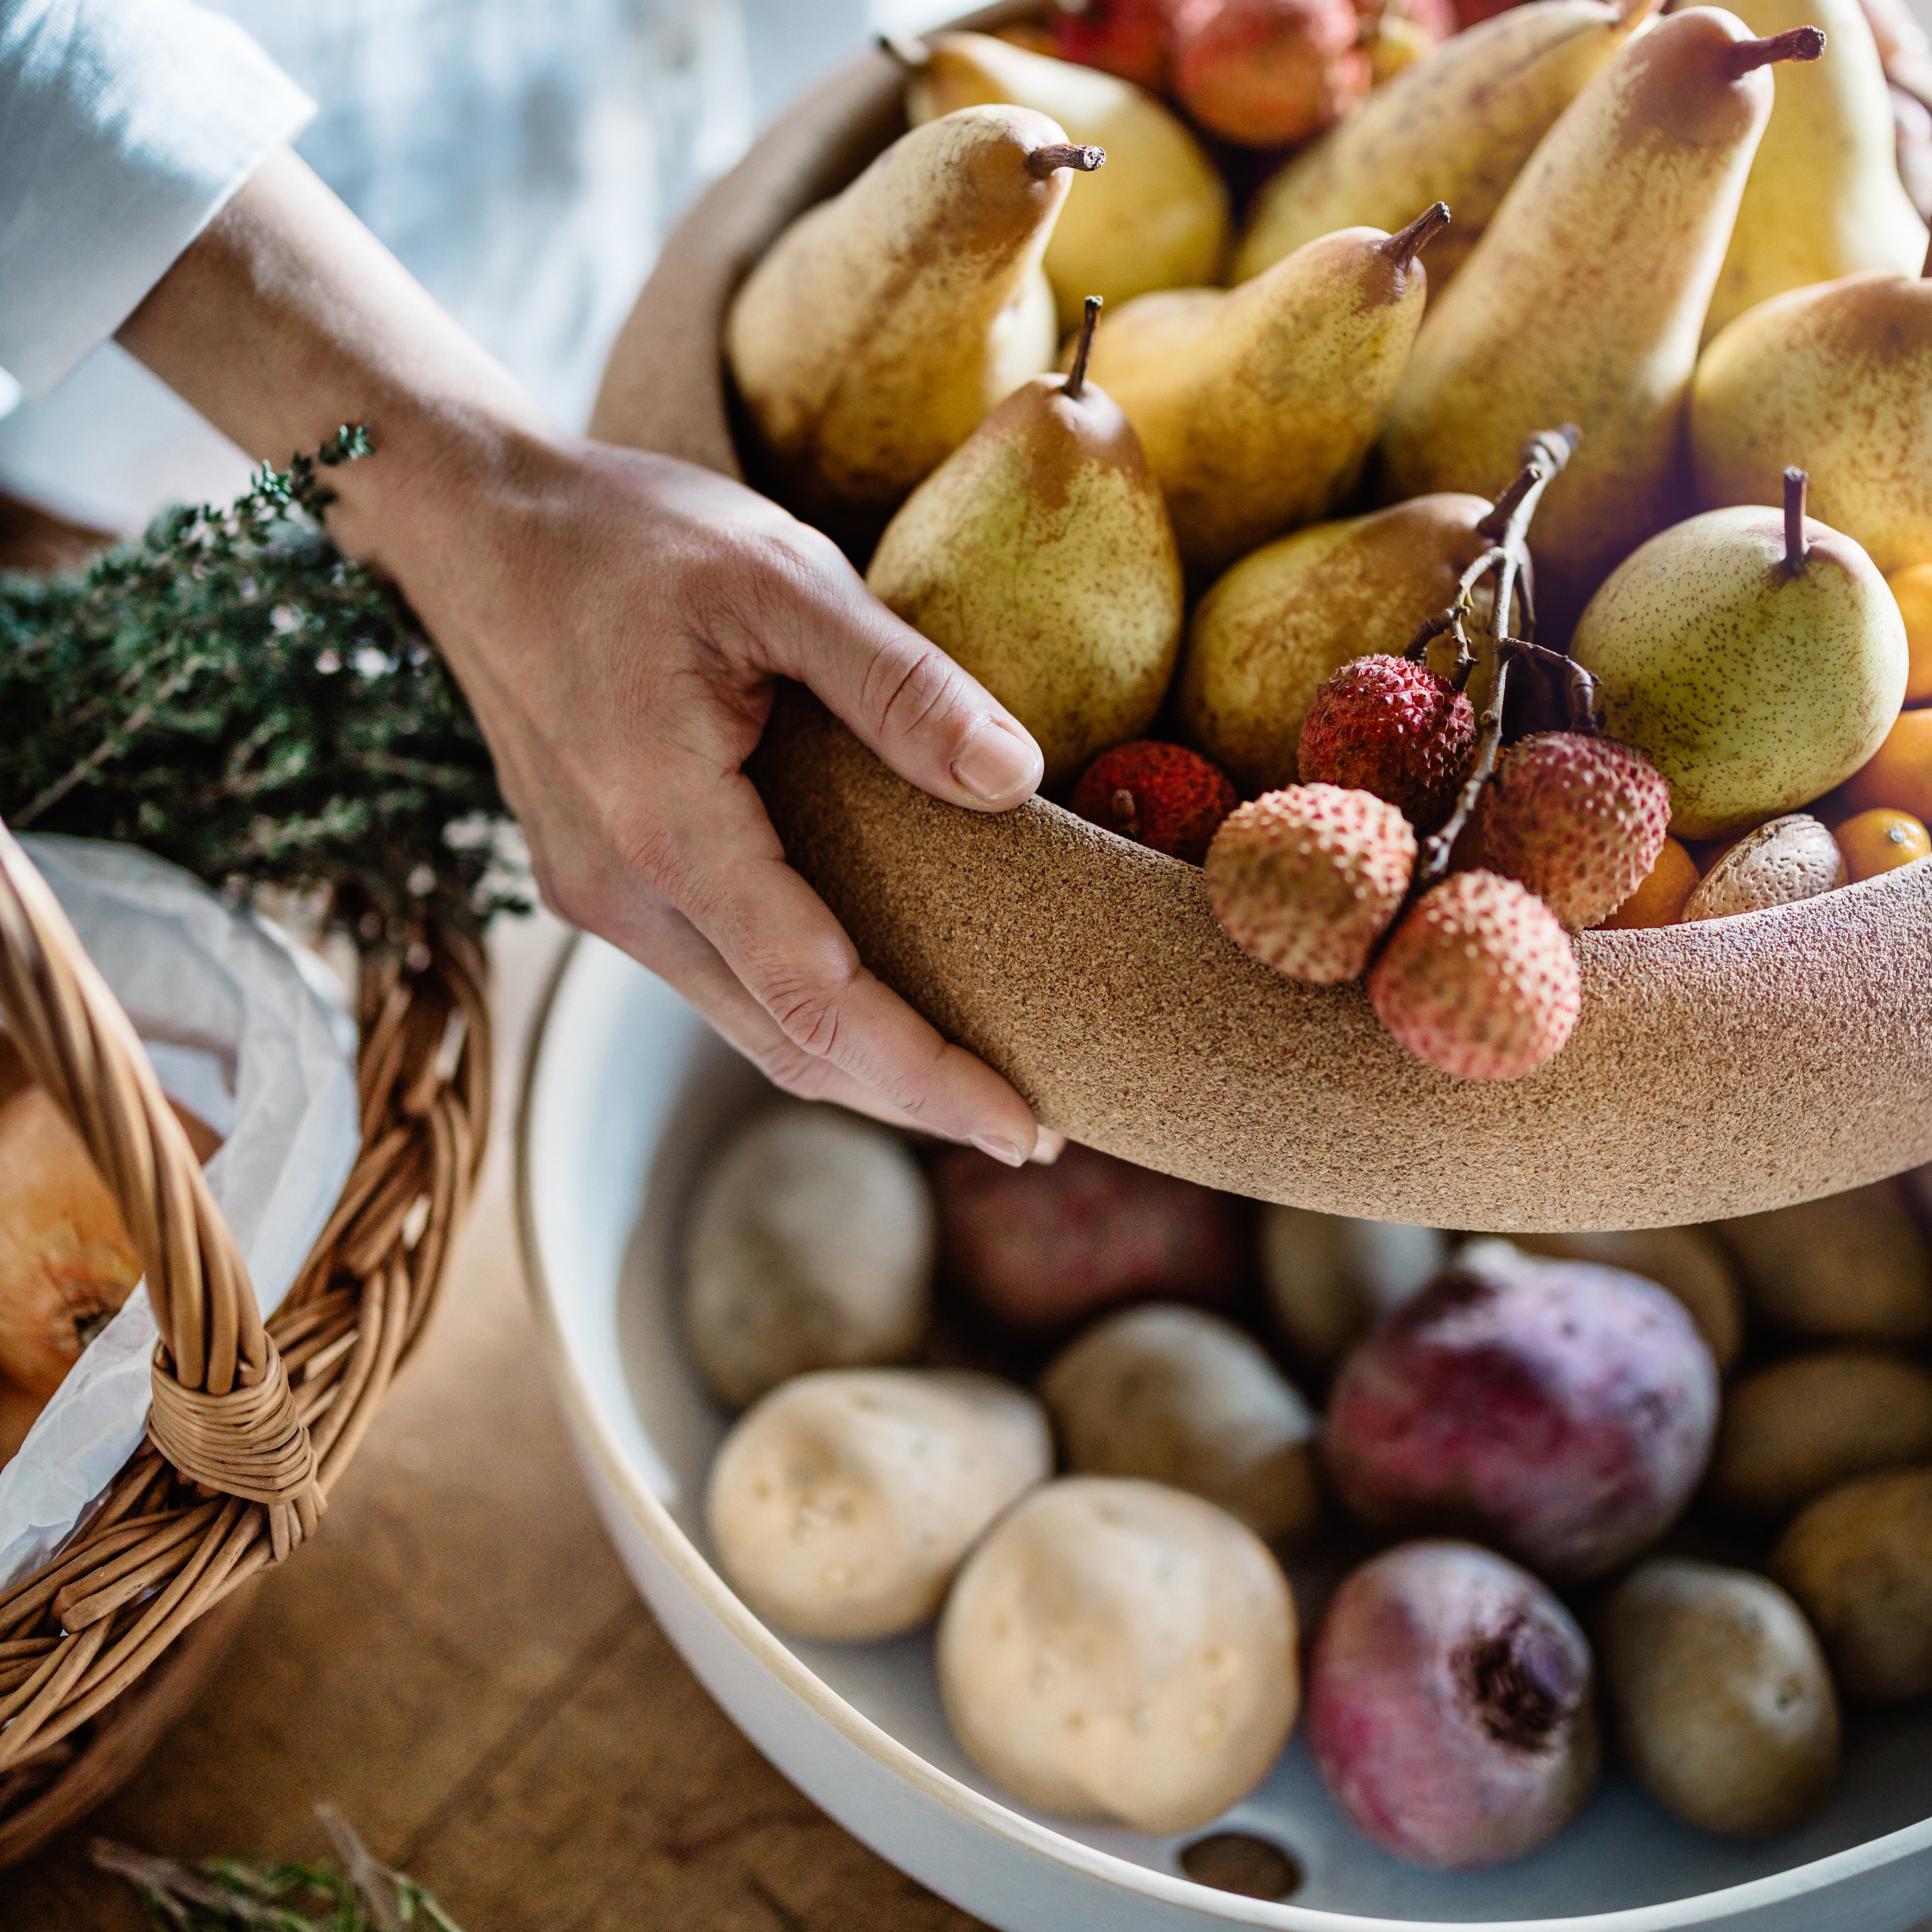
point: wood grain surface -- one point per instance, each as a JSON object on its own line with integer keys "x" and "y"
{"x": 460, "y": 1664}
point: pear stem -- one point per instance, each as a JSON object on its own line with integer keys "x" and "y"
{"x": 1058, "y": 154}
{"x": 1508, "y": 527}
{"x": 1798, "y": 44}
{"x": 1796, "y": 550}
{"x": 1074, "y": 387}
{"x": 1402, "y": 247}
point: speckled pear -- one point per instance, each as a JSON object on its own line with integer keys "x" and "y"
{"x": 1583, "y": 302}
{"x": 882, "y": 326}
{"x": 1457, "y": 127}
{"x": 1824, "y": 198}
{"x": 1838, "y": 379}
{"x": 1755, "y": 654}
{"x": 1268, "y": 634}
{"x": 1257, "y": 405}
{"x": 1040, "y": 557}
{"x": 1156, "y": 217}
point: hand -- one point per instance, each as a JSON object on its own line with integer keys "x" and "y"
{"x": 617, "y": 620}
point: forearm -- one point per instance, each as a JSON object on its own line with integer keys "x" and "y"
{"x": 286, "y": 319}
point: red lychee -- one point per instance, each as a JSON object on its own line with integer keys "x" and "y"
{"x": 1578, "y": 820}
{"x": 1479, "y": 978}
{"x": 1385, "y": 725}
{"x": 1306, "y": 879}
{"x": 1161, "y": 795}
{"x": 1131, "y": 38}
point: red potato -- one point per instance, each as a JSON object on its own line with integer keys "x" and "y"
{"x": 1040, "y": 1247}
{"x": 1562, "y": 1411}
{"x": 1131, "y": 38}
{"x": 1449, "y": 1706}
{"x": 1269, "y": 72}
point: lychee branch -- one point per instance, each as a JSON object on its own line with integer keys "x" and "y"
{"x": 1507, "y": 526}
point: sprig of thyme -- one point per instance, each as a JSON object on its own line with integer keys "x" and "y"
{"x": 355, "y": 1894}
{"x": 231, "y": 693}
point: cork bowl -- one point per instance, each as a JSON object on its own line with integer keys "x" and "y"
{"x": 1718, "y": 1068}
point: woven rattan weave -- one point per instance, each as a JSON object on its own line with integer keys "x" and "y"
{"x": 252, "y": 1422}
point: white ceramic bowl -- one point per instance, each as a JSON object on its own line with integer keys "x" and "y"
{"x": 626, "y": 1095}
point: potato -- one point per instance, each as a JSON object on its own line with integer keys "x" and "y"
{"x": 1331, "y": 1279}
{"x": 1792, "y": 1431}
{"x": 1686, "y": 1261}
{"x": 1859, "y": 1561}
{"x": 1853, "y": 1267}
{"x": 1118, "y": 1650}
{"x": 841, "y": 1503}
{"x": 812, "y": 1246}
{"x": 1180, "y": 1396}
{"x": 1719, "y": 1697}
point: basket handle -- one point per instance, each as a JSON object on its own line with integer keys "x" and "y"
{"x": 224, "y": 1414}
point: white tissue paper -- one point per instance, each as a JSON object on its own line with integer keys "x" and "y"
{"x": 249, "y": 1032}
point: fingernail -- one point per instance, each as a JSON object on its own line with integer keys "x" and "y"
{"x": 1048, "y": 1148}
{"x": 1004, "y": 1150}
{"x": 997, "y": 764}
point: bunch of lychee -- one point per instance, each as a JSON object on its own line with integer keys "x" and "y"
{"x": 1472, "y": 971}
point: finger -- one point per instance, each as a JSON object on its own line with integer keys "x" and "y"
{"x": 666, "y": 943}
{"x": 935, "y": 725}
{"x": 1048, "y": 1148}
{"x": 729, "y": 878}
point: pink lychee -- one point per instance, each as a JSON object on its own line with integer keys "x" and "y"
{"x": 1479, "y": 979}
{"x": 1306, "y": 879}
{"x": 1578, "y": 820}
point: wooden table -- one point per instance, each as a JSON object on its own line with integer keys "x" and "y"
{"x": 460, "y": 1665}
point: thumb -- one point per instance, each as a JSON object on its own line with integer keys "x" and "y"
{"x": 935, "y": 725}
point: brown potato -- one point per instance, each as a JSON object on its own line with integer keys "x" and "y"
{"x": 1177, "y": 1396}
{"x": 1720, "y": 1696}
{"x": 1330, "y": 1278}
{"x": 1792, "y": 1431}
{"x": 1687, "y": 1261}
{"x": 1859, "y": 1561}
{"x": 1853, "y": 1266}
{"x": 811, "y": 1246}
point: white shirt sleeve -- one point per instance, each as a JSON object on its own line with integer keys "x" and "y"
{"x": 125, "y": 126}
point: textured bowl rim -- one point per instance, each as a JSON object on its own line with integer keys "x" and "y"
{"x": 769, "y": 1651}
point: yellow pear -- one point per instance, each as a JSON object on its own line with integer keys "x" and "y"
{"x": 1258, "y": 405}
{"x": 1039, "y": 555}
{"x": 1583, "y": 302}
{"x": 1824, "y": 198}
{"x": 1836, "y": 380}
{"x": 882, "y": 325}
{"x": 1155, "y": 218}
{"x": 1267, "y": 635}
{"x": 1755, "y": 655}
{"x": 1457, "y": 127}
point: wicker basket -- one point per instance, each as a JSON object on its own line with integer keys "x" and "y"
{"x": 252, "y": 1422}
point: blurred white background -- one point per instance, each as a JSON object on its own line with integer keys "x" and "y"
{"x": 522, "y": 159}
